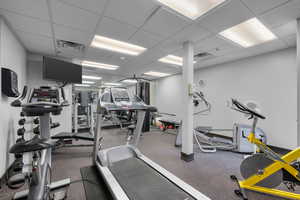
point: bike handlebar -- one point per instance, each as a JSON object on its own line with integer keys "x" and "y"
{"x": 238, "y": 106}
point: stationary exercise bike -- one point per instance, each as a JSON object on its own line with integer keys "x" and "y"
{"x": 263, "y": 172}
{"x": 41, "y": 103}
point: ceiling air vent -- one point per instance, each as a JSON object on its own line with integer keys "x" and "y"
{"x": 204, "y": 56}
{"x": 69, "y": 47}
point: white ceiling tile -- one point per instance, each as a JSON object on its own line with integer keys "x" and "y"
{"x": 132, "y": 12}
{"x": 291, "y": 40}
{"x": 178, "y": 52}
{"x": 269, "y": 47}
{"x": 244, "y": 53}
{"x": 74, "y": 17}
{"x": 226, "y": 58}
{"x": 33, "y": 8}
{"x": 286, "y": 29}
{"x": 282, "y": 15}
{"x": 261, "y": 6}
{"x": 145, "y": 39}
{"x": 27, "y": 24}
{"x": 263, "y": 48}
{"x": 165, "y": 65}
{"x": 96, "y": 6}
{"x": 158, "y": 67}
{"x": 115, "y": 29}
{"x": 113, "y": 60}
{"x": 94, "y": 53}
{"x": 69, "y": 54}
{"x": 107, "y": 76}
{"x": 73, "y": 35}
{"x": 212, "y": 43}
{"x": 101, "y": 72}
{"x": 37, "y": 43}
{"x": 233, "y": 13}
{"x": 237, "y": 56}
{"x": 215, "y": 53}
{"x": 223, "y": 50}
{"x": 150, "y": 56}
{"x": 165, "y": 23}
{"x": 110, "y": 77}
{"x": 192, "y": 32}
{"x": 169, "y": 46}
{"x": 166, "y": 68}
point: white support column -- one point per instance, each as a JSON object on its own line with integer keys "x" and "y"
{"x": 298, "y": 81}
{"x": 187, "y": 152}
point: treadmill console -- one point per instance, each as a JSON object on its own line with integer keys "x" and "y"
{"x": 120, "y": 94}
{"x": 44, "y": 94}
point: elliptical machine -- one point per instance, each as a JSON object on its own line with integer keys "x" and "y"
{"x": 209, "y": 139}
{"x": 41, "y": 103}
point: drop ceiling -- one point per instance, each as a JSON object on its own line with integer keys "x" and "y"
{"x": 39, "y": 23}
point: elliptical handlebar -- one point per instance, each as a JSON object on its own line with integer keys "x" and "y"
{"x": 198, "y": 96}
{"x": 65, "y": 101}
{"x": 238, "y": 106}
{"x": 18, "y": 101}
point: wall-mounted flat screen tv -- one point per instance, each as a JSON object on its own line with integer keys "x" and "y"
{"x": 62, "y": 71}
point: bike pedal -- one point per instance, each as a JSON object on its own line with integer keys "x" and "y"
{"x": 60, "y": 195}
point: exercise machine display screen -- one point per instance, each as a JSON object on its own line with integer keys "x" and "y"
{"x": 45, "y": 95}
{"x": 120, "y": 94}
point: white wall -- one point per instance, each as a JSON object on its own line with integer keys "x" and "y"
{"x": 12, "y": 56}
{"x": 269, "y": 79}
{"x": 35, "y": 79}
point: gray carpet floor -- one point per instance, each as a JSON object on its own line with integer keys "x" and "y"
{"x": 209, "y": 173}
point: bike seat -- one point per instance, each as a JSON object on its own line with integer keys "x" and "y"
{"x": 35, "y": 144}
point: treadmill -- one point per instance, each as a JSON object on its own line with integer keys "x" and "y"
{"x": 128, "y": 173}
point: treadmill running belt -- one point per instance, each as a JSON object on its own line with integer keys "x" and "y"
{"x": 141, "y": 182}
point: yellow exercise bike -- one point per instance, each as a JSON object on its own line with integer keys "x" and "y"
{"x": 263, "y": 172}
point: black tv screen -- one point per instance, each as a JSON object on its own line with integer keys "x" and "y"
{"x": 62, "y": 71}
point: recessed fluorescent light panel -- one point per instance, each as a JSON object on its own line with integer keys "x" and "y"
{"x": 88, "y": 82}
{"x": 130, "y": 81}
{"x": 156, "y": 74}
{"x": 174, "y": 60}
{"x": 117, "y": 46}
{"x": 170, "y": 59}
{"x": 192, "y": 9}
{"x": 249, "y": 33}
{"x": 91, "y": 77}
{"x": 113, "y": 84}
{"x": 99, "y": 65}
{"x": 82, "y": 85}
